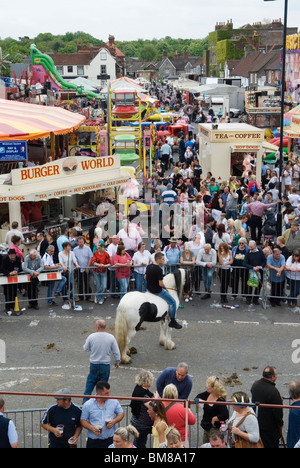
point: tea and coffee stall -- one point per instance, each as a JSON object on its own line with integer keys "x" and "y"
{"x": 230, "y": 149}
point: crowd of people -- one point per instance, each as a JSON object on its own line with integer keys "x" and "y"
{"x": 240, "y": 424}
{"x": 225, "y": 227}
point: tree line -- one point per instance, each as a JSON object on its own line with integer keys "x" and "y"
{"x": 143, "y": 49}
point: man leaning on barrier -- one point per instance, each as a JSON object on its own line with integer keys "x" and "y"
{"x": 207, "y": 259}
{"x": 11, "y": 266}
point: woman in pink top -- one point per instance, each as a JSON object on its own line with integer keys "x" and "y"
{"x": 120, "y": 259}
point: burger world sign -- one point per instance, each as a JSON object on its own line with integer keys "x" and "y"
{"x": 65, "y": 168}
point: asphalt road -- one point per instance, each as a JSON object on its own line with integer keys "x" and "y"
{"x": 44, "y": 353}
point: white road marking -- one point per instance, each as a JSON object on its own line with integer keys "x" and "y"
{"x": 236, "y": 322}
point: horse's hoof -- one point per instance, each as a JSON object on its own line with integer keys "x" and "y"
{"x": 126, "y": 360}
{"x": 170, "y": 346}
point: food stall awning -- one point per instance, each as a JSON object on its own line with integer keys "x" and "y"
{"x": 250, "y": 148}
{"x": 269, "y": 147}
{"x": 22, "y": 121}
{"x": 63, "y": 178}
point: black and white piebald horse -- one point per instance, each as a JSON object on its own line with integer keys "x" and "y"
{"x": 137, "y": 307}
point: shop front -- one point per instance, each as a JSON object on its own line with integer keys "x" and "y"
{"x": 44, "y": 197}
{"x": 230, "y": 150}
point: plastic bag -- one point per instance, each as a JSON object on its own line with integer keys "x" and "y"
{"x": 253, "y": 279}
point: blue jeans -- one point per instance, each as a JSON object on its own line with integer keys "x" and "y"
{"x": 97, "y": 372}
{"x": 59, "y": 288}
{"x": 140, "y": 281}
{"x": 170, "y": 300}
{"x": 124, "y": 283}
{"x": 101, "y": 285}
{"x": 207, "y": 276}
{"x": 113, "y": 281}
{"x": 231, "y": 214}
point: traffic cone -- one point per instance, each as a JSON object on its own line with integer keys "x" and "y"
{"x": 17, "y": 308}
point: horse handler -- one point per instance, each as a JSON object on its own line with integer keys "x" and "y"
{"x": 155, "y": 285}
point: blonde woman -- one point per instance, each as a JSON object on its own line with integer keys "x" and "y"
{"x": 140, "y": 418}
{"x": 176, "y": 412}
{"x": 213, "y": 414}
{"x": 173, "y": 439}
{"x": 239, "y": 230}
{"x": 122, "y": 436}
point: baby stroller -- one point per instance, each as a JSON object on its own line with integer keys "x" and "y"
{"x": 269, "y": 229}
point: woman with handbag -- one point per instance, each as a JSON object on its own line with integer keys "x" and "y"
{"x": 243, "y": 426}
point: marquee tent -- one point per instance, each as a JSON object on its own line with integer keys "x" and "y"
{"x": 22, "y": 121}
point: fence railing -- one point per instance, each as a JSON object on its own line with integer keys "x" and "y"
{"x": 216, "y": 283}
{"x": 32, "y": 435}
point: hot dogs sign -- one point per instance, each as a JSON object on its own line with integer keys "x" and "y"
{"x": 65, "y": 167}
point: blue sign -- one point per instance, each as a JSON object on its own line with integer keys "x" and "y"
{"x": 13, "y": 151}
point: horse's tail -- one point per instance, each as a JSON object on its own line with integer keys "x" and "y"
{"x": 121, "y": 328}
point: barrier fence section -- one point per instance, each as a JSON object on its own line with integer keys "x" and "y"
{"x": 210, "y": 282}
{"x": 32, "y": 435}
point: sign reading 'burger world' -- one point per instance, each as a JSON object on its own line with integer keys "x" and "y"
{"x": 65, "y": 167}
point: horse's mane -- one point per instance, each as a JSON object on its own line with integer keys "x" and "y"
{"x": 175, "y": 280}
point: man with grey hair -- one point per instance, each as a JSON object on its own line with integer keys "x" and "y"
{"x": 177, "y": 376}
{"x": 255, "y": 260}
{"x": 207, "y": 259}
{"x": 101, "y": 345}
{"x": 33, "y": 265}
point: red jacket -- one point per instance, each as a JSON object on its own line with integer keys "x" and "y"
{"x": 103, "y": 259}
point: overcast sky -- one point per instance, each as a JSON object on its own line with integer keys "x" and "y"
{"x": 137, "y": 19}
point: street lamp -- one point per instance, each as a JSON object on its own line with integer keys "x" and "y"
{"x": 279, "y": 217}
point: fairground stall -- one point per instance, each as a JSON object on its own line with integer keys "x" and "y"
{"x": 230, "y": 150}
{"x": 43, "y": 195}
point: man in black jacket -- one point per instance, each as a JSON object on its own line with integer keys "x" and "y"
{"x": 270, "y": 420}
{"x": 11, "y": 266}
{"x": 255, "y": 260}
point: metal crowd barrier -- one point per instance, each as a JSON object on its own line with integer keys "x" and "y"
{"x": 226, "y": 286}
{"x": 32, "y": 435}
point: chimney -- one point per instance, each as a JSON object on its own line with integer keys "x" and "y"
{"x": 185, "y": 55}
{"x": 111, "y": 40}
{"x": 165, "y": 53}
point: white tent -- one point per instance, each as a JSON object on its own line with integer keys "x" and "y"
{"x": 124, "y": 83}
{"x": 87, "y": 85}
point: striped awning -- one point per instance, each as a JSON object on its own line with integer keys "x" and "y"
{"x": 22, "y": 121}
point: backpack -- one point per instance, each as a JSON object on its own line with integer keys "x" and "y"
{"x": 254, "y": 189}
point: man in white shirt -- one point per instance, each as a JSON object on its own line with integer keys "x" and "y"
{"x": 14, "y": 232}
